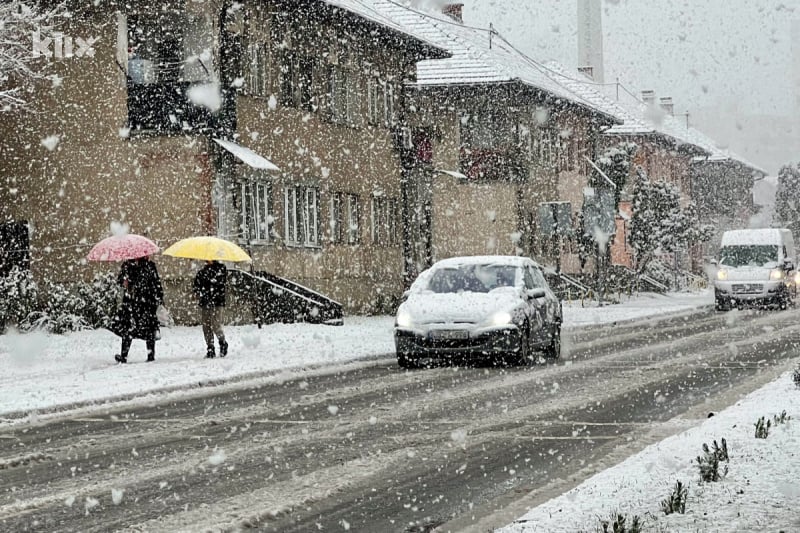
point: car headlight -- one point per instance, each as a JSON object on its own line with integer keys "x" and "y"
{"x": 776, "y": 274}
{"x": 722, "y": 274}
{"x": 797, "y": 278}
{"x": 404, "y": 319}
{"x": 500, "y": 319}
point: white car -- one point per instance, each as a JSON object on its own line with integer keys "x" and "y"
{"x": 483, "y": 307}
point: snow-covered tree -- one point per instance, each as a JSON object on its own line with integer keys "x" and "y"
{"x": 615, "y": 162}
{"x": 787, "y": 198}
{"x": 19, "y": 66}
{"x": 659, "y": 223}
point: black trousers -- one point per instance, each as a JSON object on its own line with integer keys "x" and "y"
{"x": 149, "y": 342}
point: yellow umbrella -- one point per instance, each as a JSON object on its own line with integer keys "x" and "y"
{"x": 208, "y": 249}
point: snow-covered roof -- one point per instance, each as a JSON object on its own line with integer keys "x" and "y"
{"x": 370, "y": 10}
{"x": 718, "y": 154}
{"x": 478, "y": 57}
{"x": 639, "y": 118}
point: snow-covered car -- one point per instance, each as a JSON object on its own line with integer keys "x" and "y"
{"x": 483, "y": 307}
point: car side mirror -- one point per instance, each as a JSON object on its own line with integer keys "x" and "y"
{"x": 536, "y": 293}
{"x": 788, "y": 264}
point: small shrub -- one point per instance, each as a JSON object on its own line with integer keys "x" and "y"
{"x": 796, "y": 377}
{"x": 676, "y": 503}
{"x": 618, "y": 524}
{"x": 19, "y": 295}
{"x": 762, "y": 428}
{"x": 781, "y": 418}
{"x": 709, "y": 462}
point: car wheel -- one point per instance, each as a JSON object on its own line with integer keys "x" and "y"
{"x": 522, "y": 356}
{"x": 553, "y": 350}
{"x": 407, "y": 361}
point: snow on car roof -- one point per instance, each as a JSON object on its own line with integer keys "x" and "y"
{"x": 511, "y": 260}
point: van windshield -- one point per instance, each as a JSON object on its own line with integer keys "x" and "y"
{"x": 755, "y": 255}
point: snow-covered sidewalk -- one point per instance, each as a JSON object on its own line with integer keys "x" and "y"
{"x": 761, "y": 491}
{"x": 43, "y": 371}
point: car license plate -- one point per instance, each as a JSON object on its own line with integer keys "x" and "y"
{"x": 747, "y": 288}
{"x": 449, "y": 334}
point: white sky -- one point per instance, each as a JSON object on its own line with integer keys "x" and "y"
{"x": 734, "y": 55}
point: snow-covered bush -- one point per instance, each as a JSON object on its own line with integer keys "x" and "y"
{"x": 18, "y": 297}
{"x": 60, "y": 308}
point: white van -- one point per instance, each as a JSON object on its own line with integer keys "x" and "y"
{"x": 756, "y": 267}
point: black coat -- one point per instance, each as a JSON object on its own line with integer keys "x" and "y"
{"x": 143, "y": 294}
{"x": 209, "y": 284}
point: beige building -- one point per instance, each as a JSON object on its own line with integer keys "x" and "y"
{"x": 497, "y": 142}
{"x": 277, "y": 125}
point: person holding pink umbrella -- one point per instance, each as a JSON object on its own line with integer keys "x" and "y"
{"x": 136, "y": 317}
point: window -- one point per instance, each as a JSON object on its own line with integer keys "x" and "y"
{"x": 167, "y": 53}
{"x": 14, "y": 247}
{"x": 302, "y": 216}
{"x": 343, "y": 98}
{"x": 297, "y": 74}
{"x": 345, "y": 215}
{"x": 256, "y": 73}
{"x": 385, "y": 214}
{"x": 257, "y": 212}
{"x": 380, "y": 103}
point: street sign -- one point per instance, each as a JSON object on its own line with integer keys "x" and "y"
{"x": 555, "y": 218}
{"x": 598, "y": 211}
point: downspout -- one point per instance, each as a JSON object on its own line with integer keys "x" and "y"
{"x": 223, "y": 125}
{"x": 406, "y": 168}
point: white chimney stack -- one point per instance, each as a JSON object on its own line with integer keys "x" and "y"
{"x": 590, "y": 37}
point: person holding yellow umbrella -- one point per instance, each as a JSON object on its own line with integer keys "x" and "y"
{"x": 209, "y": 283}
{"x": 209, "y": 288}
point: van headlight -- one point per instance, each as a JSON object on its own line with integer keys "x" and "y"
{"x": 776, "y": 274}
{"x": 500, "y": 319}
{"x": 722, "y": 274}
{"x": 404, "y": 319}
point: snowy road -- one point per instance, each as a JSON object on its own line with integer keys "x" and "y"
{"x": 373, "y": 448}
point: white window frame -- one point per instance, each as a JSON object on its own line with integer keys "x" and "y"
{"x": 256, "y": 212}
{"x": 301, "y": 216}
{"x": 385, "y": 223}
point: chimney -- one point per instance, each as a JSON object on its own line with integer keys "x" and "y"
{"x": 649, "y": 97}
{"x": 667, "y": 105}
{"x": 590, "y": 36}
{"x": 587, "y": 71}
{"x": 454, "y": 11}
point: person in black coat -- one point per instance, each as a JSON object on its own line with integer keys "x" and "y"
{"x": 209, "y": 288}
{"x": 136, "y": 318}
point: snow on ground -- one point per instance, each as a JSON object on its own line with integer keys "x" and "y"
{"x": 42, "y": 371}
{"x": 761, "y": 491}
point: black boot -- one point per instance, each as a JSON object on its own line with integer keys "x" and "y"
{"x": 119, "y": 359}
{"x": 210, "y": 353}
{"x": 223, "y": 348}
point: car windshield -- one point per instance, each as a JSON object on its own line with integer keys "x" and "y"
{"x": 471, "y": 278}
{"x": 755, "y": 255}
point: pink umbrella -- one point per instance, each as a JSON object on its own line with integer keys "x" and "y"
{"x": 122, "y": 247}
